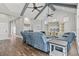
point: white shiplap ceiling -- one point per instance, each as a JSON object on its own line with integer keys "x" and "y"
{"x": 16, "y": 9}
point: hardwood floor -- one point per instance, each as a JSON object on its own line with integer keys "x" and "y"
{"x": 18, "y": 48}
{"x": 73, "y": 50}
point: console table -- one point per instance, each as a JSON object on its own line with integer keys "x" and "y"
{"x": 56, "y": 43}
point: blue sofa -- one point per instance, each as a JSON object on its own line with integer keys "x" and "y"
{"x": 36, "y": 39}
{"x": 40, "y": 41}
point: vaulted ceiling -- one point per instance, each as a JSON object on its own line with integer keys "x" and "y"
{"x": 20, "y": 9}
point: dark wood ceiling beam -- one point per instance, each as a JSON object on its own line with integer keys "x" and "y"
{"x": 65, "y": 5}
{"x": 24, "y": 9}
{"x": 41, "y": 11}
{"x": 51, "y": 7}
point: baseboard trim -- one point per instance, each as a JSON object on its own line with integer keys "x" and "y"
{"x": 5, "y": 38}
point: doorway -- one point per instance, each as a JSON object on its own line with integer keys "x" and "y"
{"x": 3, "y": 31}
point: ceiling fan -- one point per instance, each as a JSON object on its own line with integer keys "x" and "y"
{"x": 49, "y": 15}
{"x": 35, "y": 7}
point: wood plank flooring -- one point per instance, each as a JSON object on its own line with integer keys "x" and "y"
{"x": 18, "y": 48}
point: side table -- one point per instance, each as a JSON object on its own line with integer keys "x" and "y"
{"x": 54, "y": 43}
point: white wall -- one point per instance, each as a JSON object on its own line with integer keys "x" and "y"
{"x": 19, "y": 26}
{"x": 4, "y": 20}
{"x": 37, "y": 25}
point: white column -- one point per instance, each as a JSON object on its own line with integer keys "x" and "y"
{"x": 77, "y": 28}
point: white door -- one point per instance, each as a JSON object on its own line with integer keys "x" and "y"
{"x": 3, "y": 31}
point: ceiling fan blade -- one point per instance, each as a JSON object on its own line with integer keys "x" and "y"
{"x": 38, "y": 10}
{"x": 50, "y": 16}
{"x": 33, "y": 10}
{"x": 34, "y": 4}
{"x": 39, "y": 6}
